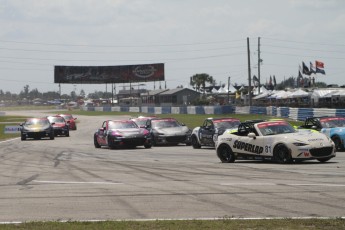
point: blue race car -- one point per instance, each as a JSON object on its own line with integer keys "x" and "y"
{"x": 331, "y": 126}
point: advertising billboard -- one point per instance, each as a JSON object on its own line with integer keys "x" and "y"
{"x": 109, "y": 74}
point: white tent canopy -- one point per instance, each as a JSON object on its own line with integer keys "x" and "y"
{"x": 299, "y": 93}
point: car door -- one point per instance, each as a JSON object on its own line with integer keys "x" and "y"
{"x": 102, "y": 134}
{"x": 207, "y": 132}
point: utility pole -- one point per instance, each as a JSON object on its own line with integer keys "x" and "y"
{"x": 228, "y": 90}
{"x": 249, "y": 75}
{"x": 259, "y": 63}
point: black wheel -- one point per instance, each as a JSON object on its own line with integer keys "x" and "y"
{"x": 23, "y": 137}
{"x": 324, "y": 159}
{"x": 67, "y": 134}
{"x": 337, "y": 142}
{"x": 282, "y": 154}
{"x": 153, "y": 141}
{"x": 195, "y": 143}
{"x": 111, "y": 144}
{"x": 225, "y": 154}
{"x": 52, "y": 136}
{"x": 148, "y": 146}
{"x": 95, "y": 142}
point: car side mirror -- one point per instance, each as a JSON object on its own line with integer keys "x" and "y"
{"x": 252, "y": 135}
{"x": 52, "y": 123}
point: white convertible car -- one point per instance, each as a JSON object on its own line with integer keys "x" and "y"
{"x": 273, "y": 140}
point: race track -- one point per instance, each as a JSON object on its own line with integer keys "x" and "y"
{"x": 68, "y": 179}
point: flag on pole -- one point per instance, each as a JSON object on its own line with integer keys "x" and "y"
{"x": 319, "y": 64}
{"x": 312, "y": 68}
{"x": 274, "y": 81}
{"x": 320, "y": 67}
{"x": 306, "y": 71}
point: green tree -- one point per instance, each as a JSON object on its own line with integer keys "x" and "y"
{"x": 198, "y": 81}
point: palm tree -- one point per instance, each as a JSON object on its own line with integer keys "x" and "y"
{"x": 198, "y": 81}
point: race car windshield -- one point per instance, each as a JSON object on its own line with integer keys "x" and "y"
{"x": 122, "y": 125}
{"x": 56, "y": 119}
{"x": 226, "y": 124}
{"x": 276, "y": 129}
{"x": 37, "y": 122}
{"x": 67, "y": 117}
{"x": 332, "y": 123}
{"x": 165, "y": 124}
{"x": 140, "y": 122}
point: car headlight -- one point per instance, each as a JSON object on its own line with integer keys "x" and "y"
{"x": 299, "y": 144}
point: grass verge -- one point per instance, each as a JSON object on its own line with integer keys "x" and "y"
{"x": 284, "y": 224}
{"x": 9, "y": 121}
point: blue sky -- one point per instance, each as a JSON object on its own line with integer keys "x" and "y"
{"x": 189, "y": 36}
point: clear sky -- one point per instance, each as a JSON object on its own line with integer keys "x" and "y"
{"x": 189, "y": 36}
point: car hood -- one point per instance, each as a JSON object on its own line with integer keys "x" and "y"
{"x": 173, "y": 130}
{"x": 59, "y": 125}
{"x": 35, "y": 127}
{"x": 128, "y": 132}
{"x": 311, "y": 138}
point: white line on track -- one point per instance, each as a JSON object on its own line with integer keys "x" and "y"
{"x": 75, "y": 182}
{"x": 9, "y": 140}
{"x": 211, "y": 218}
{"x": 278, "y": 184}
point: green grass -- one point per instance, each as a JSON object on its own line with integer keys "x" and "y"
{"x": 27, "y": 107}
{"x": 324, "y": 224}
{"x": 10, "y": 120}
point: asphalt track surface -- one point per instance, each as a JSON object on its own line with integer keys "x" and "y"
{"x": 68, "y": 179}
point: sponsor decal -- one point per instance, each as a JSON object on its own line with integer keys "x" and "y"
{"x": 316, "y": 139}
{"x": 248, "y": 147}
{"x": 144, "y": 71}
{"x": 12, "y": 129}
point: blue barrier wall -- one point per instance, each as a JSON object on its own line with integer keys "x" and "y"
{"x": 285, "y": 112}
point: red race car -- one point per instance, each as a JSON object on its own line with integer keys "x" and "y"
{"x": 61, "y": 127}
{"x": 69, "y": 119}
{"x": 121, "y": 133}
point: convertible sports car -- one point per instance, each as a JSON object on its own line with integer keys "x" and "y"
{"x": 37, "y": 128}
{"x": 207, "y": 134}
{"x": 70, "y": 119}
{"x": 60, "y": 126}
{"x": 332, "y": 126}
{"x": 121, "y": 133}
{"x": 141, "y": 120}
{"x": 274, "y": 140}
{"x": 167, "y": 131}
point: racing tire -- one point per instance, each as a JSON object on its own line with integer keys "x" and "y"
{"x": 67, "y": 134}
{"x": 97, "y": 146}
{"x": 282, "y": 155}
{"x": 225, "y": 154}
{"x": 148, "y": 146}
{"x": 322, "y": 160}
{"x": 337, "y": 142}
{"x": 195, "y": 143}
{"x": 23, "y": 137}
{"x": 153, "y": 141}
{"x": 52, "y": 136}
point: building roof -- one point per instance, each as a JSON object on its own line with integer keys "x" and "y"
{"x": 174, "y": 91}
{"x": 154, "y": 92}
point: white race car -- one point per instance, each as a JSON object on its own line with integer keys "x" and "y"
{"x": 273, "y": 140}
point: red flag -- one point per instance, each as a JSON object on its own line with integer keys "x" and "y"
{"x": 319, "y": 64}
